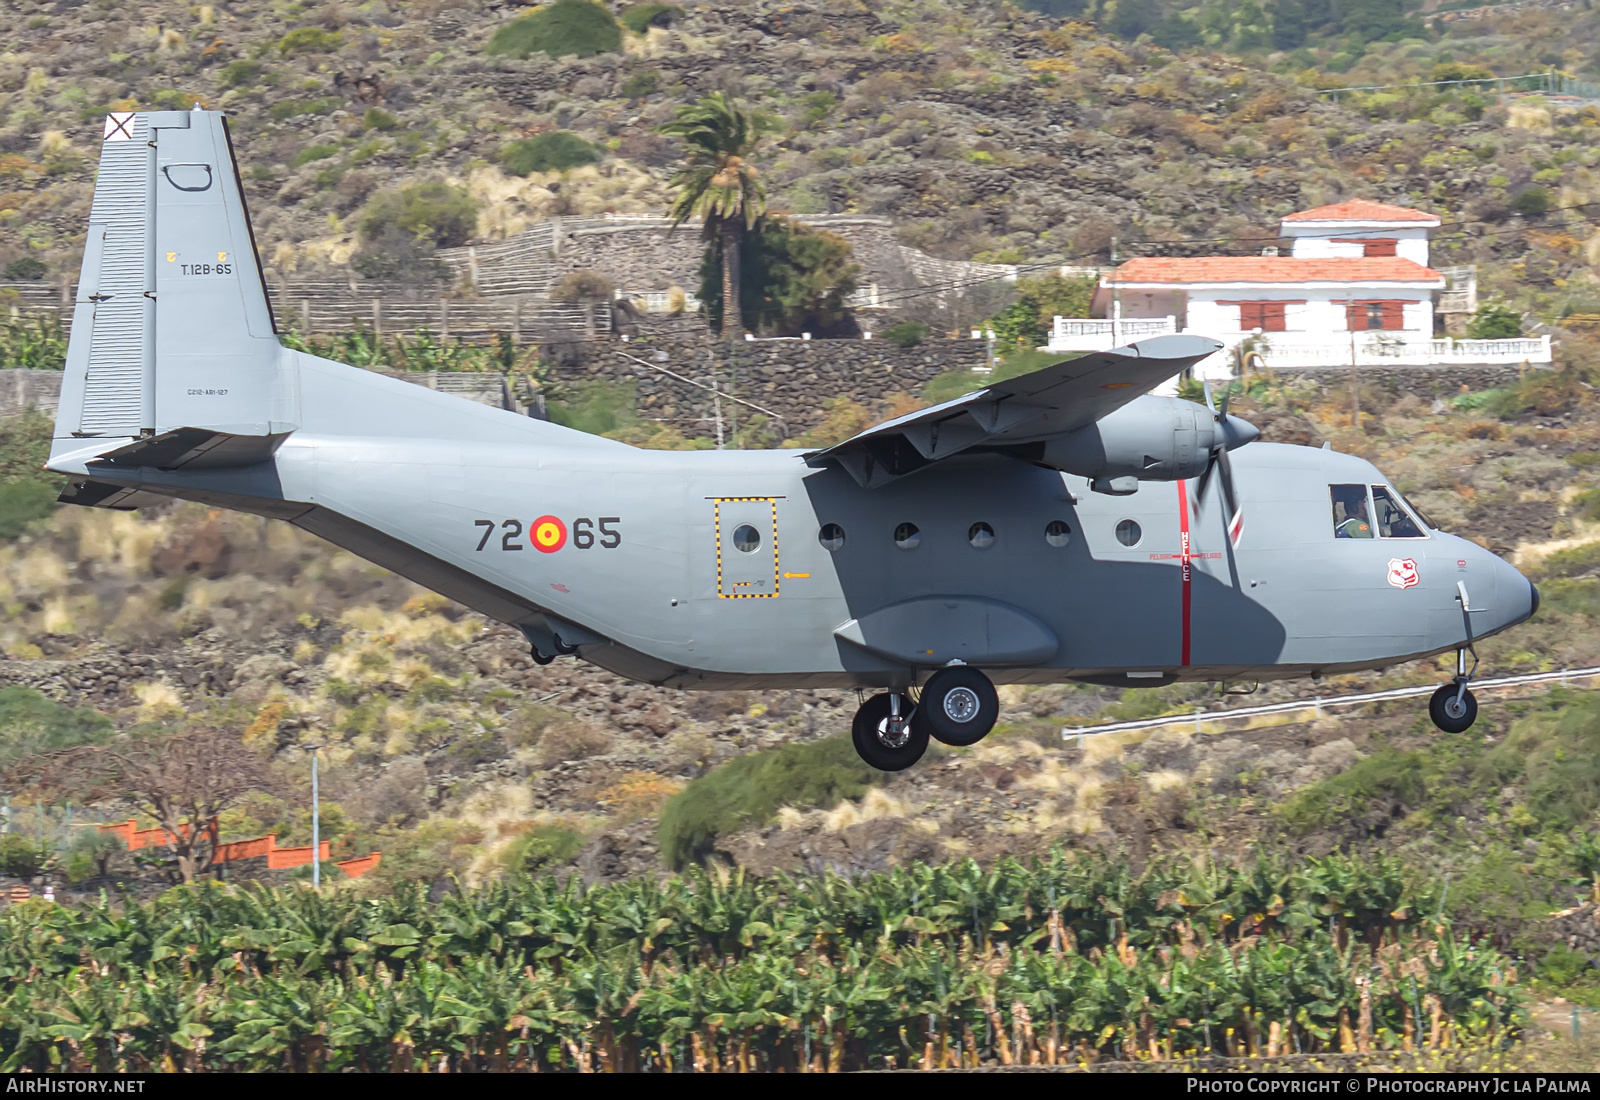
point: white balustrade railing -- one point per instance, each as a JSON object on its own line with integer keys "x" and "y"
{"x": 1277, "y": 352}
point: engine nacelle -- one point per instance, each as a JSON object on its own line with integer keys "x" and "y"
{"x": 1151, "y": 438}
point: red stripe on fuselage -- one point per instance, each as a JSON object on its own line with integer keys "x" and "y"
{"x": 1185, "y": 563}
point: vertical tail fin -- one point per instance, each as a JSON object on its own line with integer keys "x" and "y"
{"x": 172, "y": 327}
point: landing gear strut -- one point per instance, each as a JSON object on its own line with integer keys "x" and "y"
{"x": 1452, "y": 708}
{"x": 959, "y": 706}
{"x": 885, "y": 735}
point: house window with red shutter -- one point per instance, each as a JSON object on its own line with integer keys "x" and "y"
{"x": 1379, "y": 246}
{"x": 1266, "y": 316}
{"x": 1373, "y": 316}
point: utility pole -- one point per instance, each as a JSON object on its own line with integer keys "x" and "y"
{"x": 1355, "y": 386}
{"x": 316, "y": 824}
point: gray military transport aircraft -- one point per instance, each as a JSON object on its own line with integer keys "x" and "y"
{"x": 1057, "y": 526}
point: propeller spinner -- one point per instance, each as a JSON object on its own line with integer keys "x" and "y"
{"x": 1230, "y": 432}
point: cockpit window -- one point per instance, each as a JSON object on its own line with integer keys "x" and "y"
{"x": 1411, "y": 507}
{"x": 1350, "y": 512}
{"x": 1393, "y": 522}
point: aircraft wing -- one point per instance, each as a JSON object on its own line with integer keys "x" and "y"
{"x": 1059, "y": 398}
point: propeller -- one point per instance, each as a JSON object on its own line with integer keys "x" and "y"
{"x": 1230, "y": 432}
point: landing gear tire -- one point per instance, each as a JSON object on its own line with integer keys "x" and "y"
{"x": 959, "y": 706}
{"x": 879, "y": 743}
{"x": 1451, "y": 714}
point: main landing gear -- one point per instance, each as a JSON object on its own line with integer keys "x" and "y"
{"x": 958, "y": 706}
{"x": 1452, "y": 707}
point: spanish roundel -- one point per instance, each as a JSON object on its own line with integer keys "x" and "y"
{"x": 549, "y": 534}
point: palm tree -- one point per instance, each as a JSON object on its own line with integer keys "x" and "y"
{"x": 718, "y": 183}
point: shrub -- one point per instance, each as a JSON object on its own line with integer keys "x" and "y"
{"x": 1574, "y": 561}
{"x": 309, "y": 40}
{"x": 25, "y": 270}
{"x": 436, "y": 213}
{"x": 1494, "y": 321}
{"x": 1559, "y": 753}
{"x": 544, "y": 847}
{"x": 749, "y": 791}
{"x": 239, "y": 74}
{"x": 21, "y": 857}
{"x": 907, "y": 334}
{"x": 792, "y": 279}
{"x": 294, "y": 108}
{"x": 90, "y": 853}
{"x": 376, "y": 119}
{"x": 22, "y": 503}
{"x": 1531, "y": 202}
{"x": 566, "y": 27}
{"x": 583, "y": 286}
{"x": 641, "y": 17}
{"x": 595, "y": 407}
{"x": 640, "y": 84}
{"x": 1387, "y": 774}
{"x": 35, "y": 343}
{"x": 553, "y": 152}
{"x": 29, "y": 723}
{"x": 313, "y": 152}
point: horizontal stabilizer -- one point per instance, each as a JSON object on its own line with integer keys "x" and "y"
{"x": 1058, "y": 399}
{"x": 196, "y": 449}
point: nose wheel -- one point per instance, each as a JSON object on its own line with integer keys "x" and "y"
{"x": 1452, "y": 707}
{"x": 959, "y": 706}
{"x": 885, "y": 735}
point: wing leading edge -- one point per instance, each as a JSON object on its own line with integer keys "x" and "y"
{"x": 1058, "y": 399}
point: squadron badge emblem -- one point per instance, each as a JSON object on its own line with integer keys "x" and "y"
{"x": 1403, "y": 573}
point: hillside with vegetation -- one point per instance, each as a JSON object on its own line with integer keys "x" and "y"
{"x": 373, "y": 133}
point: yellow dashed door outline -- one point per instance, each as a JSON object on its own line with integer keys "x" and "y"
{"x": 746, "y": 574}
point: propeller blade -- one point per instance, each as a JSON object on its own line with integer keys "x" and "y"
{"x": 1234, "y": 514}
{"x": 1205, "y": 385}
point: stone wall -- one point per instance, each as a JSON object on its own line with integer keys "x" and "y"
{"x": 1424, "y": 382}
{"x": 788, "y": 378}
{"x": 21, "y": 388}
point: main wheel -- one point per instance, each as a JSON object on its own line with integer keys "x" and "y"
{"x": 877, "y": 745}
{"x": 1449, "y": 713}
{"x": 959, "y": 706}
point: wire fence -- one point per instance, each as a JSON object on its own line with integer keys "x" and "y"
{"x": 1216, "y": 721}
{"x": 1547, "y": 83}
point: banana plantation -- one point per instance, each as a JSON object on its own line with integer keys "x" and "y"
{"x": 1065, "y": 960}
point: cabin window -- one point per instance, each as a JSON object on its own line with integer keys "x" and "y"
{"x": 981, "y": 535}
{"x": 1351, "y": 516}
{"x": 906, "y": 536}
{"x": 1057, "y": 533}
{"x": 746, "y": 538}
{"x": 1393, "y": 522}
{"x": 1129, "y": 532}
{"x": 831, "y": 537}
{"x": 1373, "y": 316}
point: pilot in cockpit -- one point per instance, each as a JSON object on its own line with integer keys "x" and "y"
{"x": 1350, "y": 512}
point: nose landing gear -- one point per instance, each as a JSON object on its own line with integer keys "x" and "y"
{"x": 958, "y": 706}
{"x": 1453, "y": 708}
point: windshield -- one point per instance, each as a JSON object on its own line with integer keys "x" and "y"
{"x": 1393, "y": 521}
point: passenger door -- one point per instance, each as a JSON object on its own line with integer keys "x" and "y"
{"x": 747, "y": 547}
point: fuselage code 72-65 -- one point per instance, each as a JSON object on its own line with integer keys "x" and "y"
{"x": 547, "y": 534}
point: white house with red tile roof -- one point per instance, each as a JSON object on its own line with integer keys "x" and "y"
{"x": 1355, "y": 287}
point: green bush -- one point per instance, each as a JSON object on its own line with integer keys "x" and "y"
{"x": 594, "y": 407}
{"x": 1558, "y": 752}
{"x": 30, "y": 722}
{"x": 33, "y": 343}
{"x": 907, "y": 334}
{"x": 239, "y": 74}
{"x": 1532, "y": 202}
{"x": 295, "y": 108}
{"x": 313, "y": 152}
{"x": 553, "y": 152}
{"x": 1571, "y": 562}
{"x": 1494, "y": 321}
{"x": 309, "y": 40}
{"x": 376, "y": 119}
{"x": 21, "y": 857}
{"x": 23, "y": 503}
{"x": 1386, "y": 774}
{"x": 640, "y": 84}
{"x": 545, "y": 847}
{"x": 565, "y": 28}
{"x": 25, "y": 270}
{"x": 437, "y": 213}
{"x": 749, "y": 791}
{"x": 641, "y": 17}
